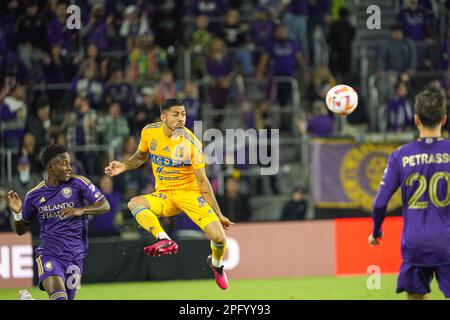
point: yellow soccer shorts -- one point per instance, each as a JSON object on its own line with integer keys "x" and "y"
{"x": 171, "y": 203}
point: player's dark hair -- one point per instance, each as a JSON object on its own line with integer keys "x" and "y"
{"x": 430, "y": 107}
{"x": 169, "y": 103}
{"x": 50, "y": 152}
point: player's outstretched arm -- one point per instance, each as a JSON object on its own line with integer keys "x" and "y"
{"x": 136, "y": 160}
{"x": 208, "y": 194}
{"x": 100, "y": 207}
{"x": 15, "y": 204}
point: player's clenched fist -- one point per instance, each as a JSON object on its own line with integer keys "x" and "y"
{"x": 115, "y": 168}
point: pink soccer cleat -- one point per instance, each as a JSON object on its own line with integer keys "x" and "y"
{"x": 162, "y": 247}
{"x": 219, "y": 274}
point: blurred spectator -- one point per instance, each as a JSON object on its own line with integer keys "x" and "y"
{"x": 146, "y": 61}
{"x": 340, "y": 39}
{"x": 90, "y": 59}
{"x": 166, "y": 87}
{"x": 283, "y": 54}
{"x": 13, "y": 112}
{"x": 31, "y": 38}
{"x": 106, "y": 224}
{"x": 99, "y": 30}
{"x": 263, "y": 118}
{"x": 90, "y": 85}
{"x": 398, "y": 54}
{"x": 117, "y": 90}
{"x": 445, "y": 52}
{"x": 262, "y": 30}
{"x": 234, "y": 206}
{"x": 5, "y": 213}
{"x": 133, "y": 25}
{"x": 39, "y": 124}
{"x": 401, "y": 116}
{"x": 413, "y": 20}
{"x": 214, "y": 9}
{"x": 116, "y": 126}
{"x": 220, "y": 70}
{"x": 192, "y": 104}
{"x": 8, "y": 16}
{"x": 296, "y": 20}
{"x": 237, "y": 38}
{"x": 57, "y": 67}
{"x": 82, "y": 128}
{"x": 318, "y": 28}
{"x": 323, "y": 81}
{"x": 25, "y": 179}
{"x": 130, "y": 183}
{"x": 199, "y": 43}
{"x": 319, "y": 122}
{"x": 146, "y": 112}
{"x": 296, "y": 207}
{"x": 416, "y": 27}
{"x": 167, "y": 22}
{"x": 31, "y": 151}
{"x": 57, "y": 31}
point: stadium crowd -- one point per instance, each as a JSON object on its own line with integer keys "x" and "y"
{"x": 102, "y": 84}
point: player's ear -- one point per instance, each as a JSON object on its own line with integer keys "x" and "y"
{"x": 417, "y": 121}
{"x": 163, "y": 117}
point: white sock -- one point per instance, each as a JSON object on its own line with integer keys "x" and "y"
{"x": 216, "y": 263}
{"x": 163, "y": 235}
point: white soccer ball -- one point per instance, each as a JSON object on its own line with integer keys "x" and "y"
{"x": 342, "y": 99}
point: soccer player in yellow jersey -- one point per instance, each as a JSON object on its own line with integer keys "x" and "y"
{"x": 181, "y": 185}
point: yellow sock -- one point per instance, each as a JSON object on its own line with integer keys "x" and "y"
{"x": 218, "y": 251}
{"x": 147, "y": 220}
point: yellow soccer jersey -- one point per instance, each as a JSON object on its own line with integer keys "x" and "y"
{"x": 173, "y": 159}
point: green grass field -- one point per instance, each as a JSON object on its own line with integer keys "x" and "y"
{"x": 286, "y": 289}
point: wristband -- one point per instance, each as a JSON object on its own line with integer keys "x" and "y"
{"x": 18, "y": 216}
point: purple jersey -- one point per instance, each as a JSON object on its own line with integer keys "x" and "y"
{"x": 422, "y": 170}
{"x": 65, "y": 239}
{"x": 283, "y": 54}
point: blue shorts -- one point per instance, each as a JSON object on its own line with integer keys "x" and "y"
{"x": 69, "y": 271}
{"x": 417, "y": 280}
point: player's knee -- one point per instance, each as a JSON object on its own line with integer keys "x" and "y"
{"x": 219, "y": 238}
{"x": 134, "y": 202}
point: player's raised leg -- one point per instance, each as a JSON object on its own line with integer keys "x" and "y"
{"x": 146, "y": 210}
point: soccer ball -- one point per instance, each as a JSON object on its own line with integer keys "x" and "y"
{"x": 342, "y": 99}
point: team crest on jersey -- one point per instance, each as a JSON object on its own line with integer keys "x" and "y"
{"x": 67, "y": 192}
{"x": 179, "y": 152}
{"x": 153, "y": 145}
{"x": 48, "y": 266}
{"x": 92, "y": 187}
{"x": 166, "y": 149}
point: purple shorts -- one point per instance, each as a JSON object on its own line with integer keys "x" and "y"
{"x": 417, "y": 280}
{"x": 69, "y": 271}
